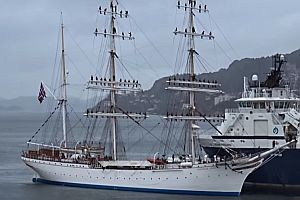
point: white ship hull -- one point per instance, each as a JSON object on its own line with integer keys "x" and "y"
{"x": 202, "y": 179}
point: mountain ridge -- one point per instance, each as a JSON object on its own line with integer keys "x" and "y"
{"x": 155, "y": 100}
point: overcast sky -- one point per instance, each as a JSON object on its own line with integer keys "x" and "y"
{"x": 29, "y": 34}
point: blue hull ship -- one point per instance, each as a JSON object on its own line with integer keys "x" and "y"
{"x": 267, "y": 116}
{"x": 279, "y": 171}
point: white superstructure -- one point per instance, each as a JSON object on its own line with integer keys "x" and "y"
{"x": 267, "y": 115}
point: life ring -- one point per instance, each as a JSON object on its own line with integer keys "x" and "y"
{"x": 275, "y": 130}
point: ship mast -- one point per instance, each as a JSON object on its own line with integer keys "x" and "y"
{"x": 191, "y": 86}
{"x": 112, "y": 77}
{"x": 191, "y": 71}
{"x": 112, "y": 84}
{"x": 63, "y": 99}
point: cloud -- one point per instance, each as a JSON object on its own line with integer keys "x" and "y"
{"x": 29, "y": 36}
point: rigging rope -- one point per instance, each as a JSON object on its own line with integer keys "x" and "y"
{"x": 58, "y": 106}
{"x": 151, "y": 43}
{"x": 226, "y": 39}
{"x": 82, "y": 51}
{"x": 208, "y": 121}
{"x": 225, "y": 148}
{"x": 146, "y": 129}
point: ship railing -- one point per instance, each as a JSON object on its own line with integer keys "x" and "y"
{"x": 42, "y": 157}
{"x": 232, "y": 110}
{"x": 43, "y": 145}
{"x": 236, "y": 110}
{"x": 56, "y": 159}
{"x": 251, "y": 94}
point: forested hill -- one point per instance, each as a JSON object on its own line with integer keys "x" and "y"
{"x": 156, "y": 100}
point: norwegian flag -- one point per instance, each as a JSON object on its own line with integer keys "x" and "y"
{"x": 42, "y": 93}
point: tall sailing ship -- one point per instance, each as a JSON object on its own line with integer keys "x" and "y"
{"x": 267, "y": 116}
{"x": 101, "y": 162}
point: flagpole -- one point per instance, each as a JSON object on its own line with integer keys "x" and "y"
{"x": 47, "y": 88}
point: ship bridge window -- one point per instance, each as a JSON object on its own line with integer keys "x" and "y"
{"x": 245, "y": 104}
{"x": 279, "y": 105}
{"x": 269, "y": 93}
{"x": 255, "y": 105}
{"x": 295, "y": 105}
{"x": 262, "y": 105}
{"x": 281, "y": 93}
{"x": 248, "y": 105}
{"x": 287, "y": 105}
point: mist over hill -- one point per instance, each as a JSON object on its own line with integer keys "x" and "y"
{"x": 157, "y": 100}
{"x": 31, "y": 104}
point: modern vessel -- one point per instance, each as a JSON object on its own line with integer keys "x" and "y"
{"x": 267, "y": 116}
{"x": 100, "y": 160}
